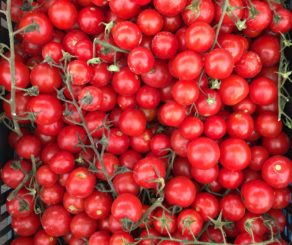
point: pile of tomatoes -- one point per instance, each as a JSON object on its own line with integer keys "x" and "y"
{"x": 146, "y": 122}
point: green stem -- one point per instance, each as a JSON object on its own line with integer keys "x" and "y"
{"x": 12, "y": 69}
{"x": 108, "y": 45}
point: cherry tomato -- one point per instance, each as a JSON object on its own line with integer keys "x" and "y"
{"x": 164, "y": 45}
{"x": 249, "y": 65}
{"x": 232, "y": 207}
{"x": 189, "y": 222}
{"x": 90, "y": 20}
{"x": 26, "y": 226}
{"x": 169, "y": 8}
{"x": 150, "y": 22}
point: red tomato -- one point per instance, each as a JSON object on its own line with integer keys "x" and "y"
{"x": 249, "y": 65}
{"x": 209, "y": 103}
{"x": 258, "y": 196}
{"x": 240, "y": 125}
{"x": 82, "y": 226}
{"x": 99, "y": 237}
{"x": 235, "y": 154}
{"x": 40, "y": 35}
{"x": 259, "y": 155}
{"x": 219, "y": 64}
{"x": 148, "y": 172}
{"x": 62, "y": 14}
{"x": 277, "y": 171}
{"x": 232, "y": 207}
{"x": 185, "y": 92}
{"x": 90, "y": 98}
{"x": 205, "y": 176}
{"x": 42, "y": 238}
{"x": 206, "y": 205}
{"x": 124, "y": 9}
{"x": 199, "y": 37}
{"x": 52, "y": 195}
{"x": 215, "y": 127}
{"x": 73, "y": 205}
{"x": 282, "y": 198}
{"x": 268, "y": 125}
{"x": 203, "y": 153}
{"x": 80, "y": 183}
{"x": 284, "y": 24}
{"x": 22, "y": 205}
{"x": 150, "y": 22}
{"x": 278, "y": 145}
{"x": 230, "y": 179}
{"x": 175, "y": 187}
{"x": 171, "y": 114}
{"x": 56, "y": 221}
{"x": 164, "y": 222}
{"x": 26, "y": 226}
{"x": 28, "y": 146}
{"x": 90, "y": 20}
{"x": 127, "y": 206}
{"x": 164, "y": 45}
{"x": 140, "y": 60}
{"x": 81, "y": 73}
{"x": 189, "y": 222}
{"x": 191, "y": 128}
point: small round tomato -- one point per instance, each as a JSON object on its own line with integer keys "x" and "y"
{"x": 150, "y": 22}
{"x": 90, "y": 98}
{"x": 124, "y": 9}
{"x": 118, "y": 142}
{"x": 41, "y": 238}
{"x": 125, "y": 82}
{"x": 56, "y": 221}
{"x": 52, "y": 195}
{"x": 110, "y": 163}
{"x": 278, "y": 145}
{"x": 235, "y": 12}
{"x": 232, "y": 207}
{"x": 127, "y": 206}
{"x": 263, "y": 91}
{"x": 277, "y": 171}
{"x": 132, "y": 122}
{"x": 70, "y": 137}
{"x": 82, "y": 226}
{"x": 261, "y": 20}
{"x": 205, "y": 176}
{"x": 45, "y": 176}
{"x": 126, "y": 35}
{"x": 84, "y": 49}
{"x": 62, "y": 162}
{"x": 159, "y": 77}
{"x": 164, "y": 45}
{"x": 185, "y": 92}
{"x": 52, "y": 129}
{"x": 140, "y": 60}
{"x": 191, "y": 128}
{"x": 95, "y": 121}
{"x": 179, "y": 143}
{"x": 171, "y": 114}
{"x": 246, "y": 105}
{"x": 40, "y": 35}
{"x": 80, "y": 72}
{"x": 258, "y": 196}
{"x": 21, "y": 75}
{"x": 73, "y": 205}
{"x": 199, "y": 37}
{"x": 99, "y": 237}
{"x": 80, "y": 183}
{"x": 235, "y": 154}
{"x": 71, "y": 39}
{"x": 240, "y": 125}
{"x": 233, "y": 90}
{"x": 219, "y": 63}
{"x": 170, "y": 7}
{"x": 22, "y": 205}
{"x": 284, "y": 24}
{"x": 268, "y": 125}
{"x": 174, "y": 189}
{"x": 203, "y": 153}
{"x": 230, "y": 179}
{"x": 26, "y": 226}
{"x": 206, "y": 205}
{"x": 101, "y": 75}
{"x": 205, "y": 11}
{"x": 189, "y": 222}
{"x": 48, "y": 151}
{"x": 28, "y": 146}
{"x": 209, "y": 103}
{"x": 62, "y": 14}
{"x": 125, "y": 183}
{"x": 148, "y": 97}
{"x": 268, "y": 48}
{"x": 259, "y": 155}
{"x": 282, "y": 198}
{"x": 90, "y": 20}
{"x": 46, "y": 108}
{"x": 186, "y": 65}
{"x": 148, "y": 172}
{"x": 164, "y": 222}
{"x": 215, "y": 127}
{"x": 246, "y": 238}
{"x": 249, "y": 65}
{"x": 159, "y": 144}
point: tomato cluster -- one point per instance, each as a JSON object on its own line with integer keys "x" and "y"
{"x": 146, "y": 122}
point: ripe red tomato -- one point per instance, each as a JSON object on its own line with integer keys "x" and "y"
{"x": 164, "y": 222}
{"x": 268, "y": 125}
{"x": 27, "y": 146}
{"x": 277, "y": 171}
{"x": 148, "y": 172}
{"x": 209, "y": 103}
{"x": 90, "y": 20}
{"x": 249, "y": 65}
{"x": 232, "y": 207}
{"x": 22, "y": 205}
{"x": 56, "y": 221}
{"x": 171, "y": 114}
{"x": 258, "y": 196}
{"x": 219, "y": 64}
{"x": 185, "y": 92}
{"x": 205, "y": 176}
{"x": 82, "y": 226}
{"x": 21, "y": 75}
{"x": 150, "y": 22}
{"x": 52, "y": 195}
{"x": 90, "y": 98}
{"x": 206, "y": 205}
{"x": 164, "y": 45}
{"x": 140, "y": 60}
{"x": 259, "y": 155}
{"x": 80, "y": 72}
{"x": 282, "y": 198}
{"x": 186, "y": 65}
{"x": 189, "y": 222}
{"x": 278, "y": 145}
{"x": 72, "y": 204}
{"x": 26, "y": 226}
{"x": 199, "y": 37}
{"x": 203, "y": 153}
{"x": 215, "y": 127}
{"x": 41, "y": 237}
{"x": 127, "y": 206}
{"x": 124, "y": 9}
{"x": 62, "y": 162}
{"x": 62, "y": 14}
{"x": 80, "y": 183}
{"x": 191, "y": 128}
{"x": 233, "y": 90}
{"x": 230, "y": 179}
{"x": 177, "y": 185}
{"x": 99, "y": 237}
{"x": 235, "y": 154}
{"x": 240, "y": 125}
{"x": 284, "y": 24}
{"x": 263, "y": 91}
{"x": 40, "y": 35}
